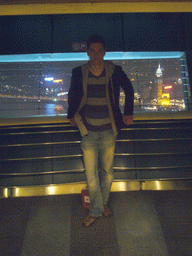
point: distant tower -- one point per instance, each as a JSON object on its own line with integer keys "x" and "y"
{"x": 159, "y": 75}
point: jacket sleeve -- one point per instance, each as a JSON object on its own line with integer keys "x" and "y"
{"x": 75, "y": 92}
{"x": 124, "y": 82}
{"x": 120, "y": 79}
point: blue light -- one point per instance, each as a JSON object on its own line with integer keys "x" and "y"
{"x": 82, "y": 56}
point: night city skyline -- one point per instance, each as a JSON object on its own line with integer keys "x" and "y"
{"x": 34, "y": 86}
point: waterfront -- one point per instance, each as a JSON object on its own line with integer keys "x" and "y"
{"x": 22, "y": 107}
{"x": 13, "y": 107}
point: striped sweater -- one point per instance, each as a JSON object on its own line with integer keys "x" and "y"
{"x": 95, "y": 113}
{"x": 115, "y": 78}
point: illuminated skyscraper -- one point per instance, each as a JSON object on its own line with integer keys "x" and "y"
{"x": 159, "y": 75}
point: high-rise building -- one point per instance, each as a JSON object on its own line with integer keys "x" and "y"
{"x": 159, "y": 75}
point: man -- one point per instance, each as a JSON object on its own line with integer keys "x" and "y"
{"x": 93, "y": 100}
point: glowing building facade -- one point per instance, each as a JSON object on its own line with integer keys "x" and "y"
{"x": 159, "y": 75}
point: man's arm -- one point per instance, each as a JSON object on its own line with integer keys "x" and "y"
{"x": 75, "y": 92}
{"x": 127, "y": 87}
{"x": 129, "y": 99}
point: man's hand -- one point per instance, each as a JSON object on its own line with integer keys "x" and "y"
{"x": 72, "y": 121}
{"x": 128, "y": 120}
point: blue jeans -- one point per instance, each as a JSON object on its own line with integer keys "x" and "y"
{"x": 98, "y": 154}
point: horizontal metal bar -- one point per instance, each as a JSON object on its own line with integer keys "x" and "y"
{"x": 42, "y": 173}
{"x": 67, "y": 124}
{"x": 77, "y": 142}
{"x": 158, "y": 128}
{"x": 80, "y": 155}
{"x": 164, "y": 139}
{"x": 140, "y": 116}
{"x": 35, "y": 126}
{"x": 152, "y": 168}
{"x": 42, "y": 132}
{"x": 127, "y": 129}
{"x": 117, "y": 186}
{"x": 41, "y": 158}
{"x": 41, "y": 144}
{"x": 82, "y": 170}
{"x": 153, "y": 154}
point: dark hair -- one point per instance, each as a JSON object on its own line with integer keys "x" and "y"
{"x": 95, "y": 39}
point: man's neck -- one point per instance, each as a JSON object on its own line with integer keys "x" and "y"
{"x": 96, "y": 70}
{"x": 97, "y": 67}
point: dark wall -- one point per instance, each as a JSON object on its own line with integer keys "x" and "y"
{"x": 154, "y": 32}
{"x": 122, "y": 32}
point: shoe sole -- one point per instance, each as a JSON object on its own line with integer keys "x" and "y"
{"x": 108, "y": 213}
{"x": 89, "y": 224}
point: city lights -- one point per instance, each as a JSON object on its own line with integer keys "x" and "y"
{"x": 62, "y": 94}
{"x": 168, "y": 87}
{"x": 57, "y": 81}
{"x": 49, "y": 79}
{"x": 32, "y": 87}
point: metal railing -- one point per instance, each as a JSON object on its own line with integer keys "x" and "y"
{"x": 40, "y": 155}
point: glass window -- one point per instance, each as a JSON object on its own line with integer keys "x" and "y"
{"x": 38, "y": 84}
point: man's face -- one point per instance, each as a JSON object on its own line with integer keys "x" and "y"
{"x": 96, "y": 53}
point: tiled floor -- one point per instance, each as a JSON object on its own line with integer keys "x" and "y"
{"x": 144, "y": 223}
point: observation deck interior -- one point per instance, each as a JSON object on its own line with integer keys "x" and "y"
{"x": 40, "y": 202}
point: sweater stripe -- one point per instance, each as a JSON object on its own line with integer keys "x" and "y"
{"x": 95, "y": 112}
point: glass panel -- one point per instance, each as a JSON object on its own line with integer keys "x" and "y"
{"x": 38, "y": 84}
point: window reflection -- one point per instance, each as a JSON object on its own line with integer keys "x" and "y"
{"x": 38, "y": 84}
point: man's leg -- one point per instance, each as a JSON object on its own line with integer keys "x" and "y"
{"x": 89, "y": 145}
{"x": 107, "y": 151}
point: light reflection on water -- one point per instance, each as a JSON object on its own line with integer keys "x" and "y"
{"x": 11, "y": 107}
{"x": 52, "y": 109}
{"x": 15, "y": 108}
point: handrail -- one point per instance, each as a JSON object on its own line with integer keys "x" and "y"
{"x": 57, "y": 121}
{"x": 78, "y": 141}
{"x": 63, "y": 118}
{"x": 76, "y": 187}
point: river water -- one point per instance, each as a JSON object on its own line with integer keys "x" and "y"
{"x": 11, "y": 107}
